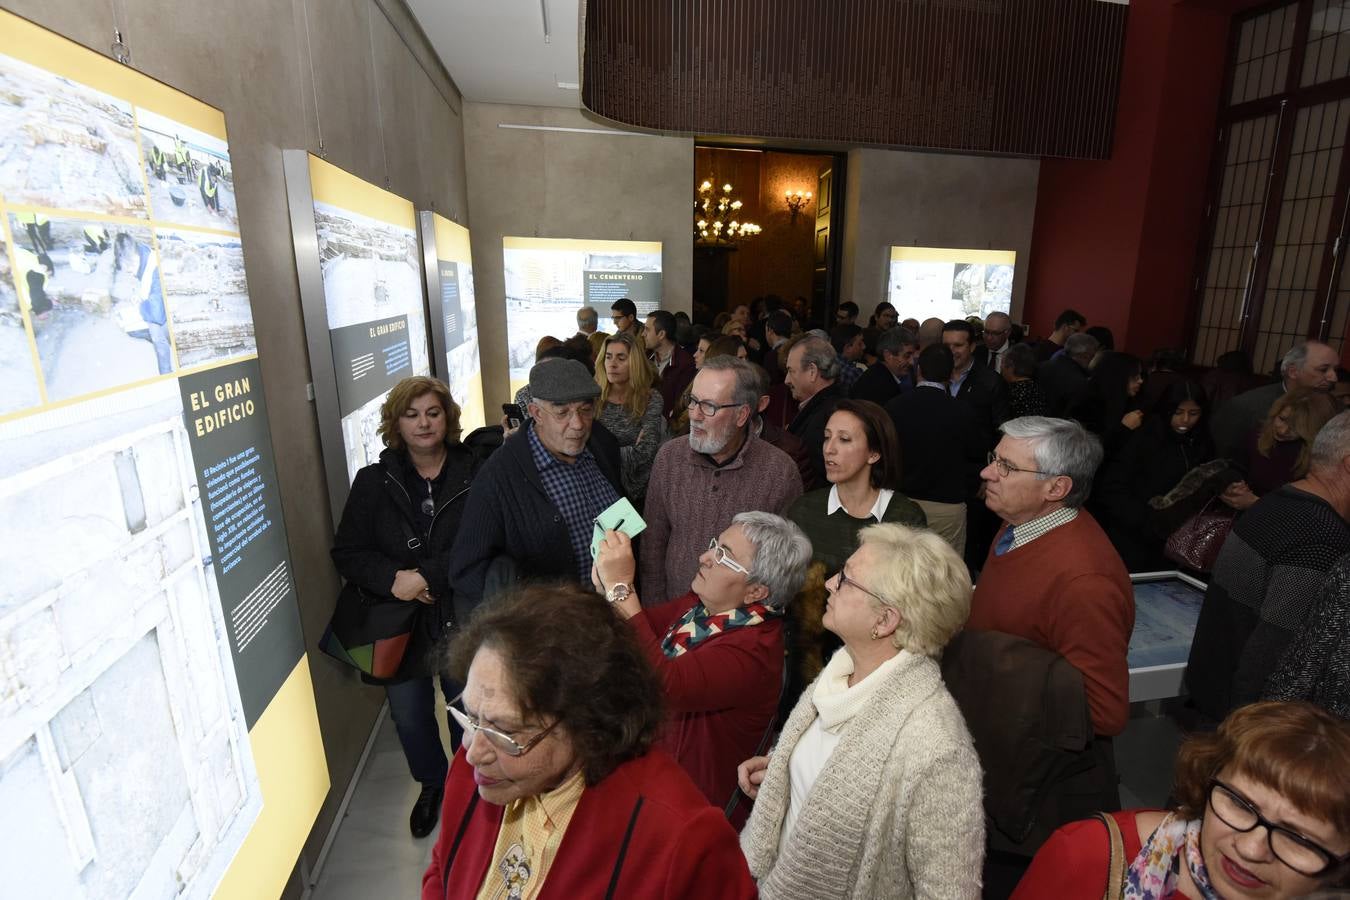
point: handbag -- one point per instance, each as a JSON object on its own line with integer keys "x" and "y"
{"x": 371, "y": 632}
{"x": 1115, "y": 872}
{"x": 1197, "y": 542}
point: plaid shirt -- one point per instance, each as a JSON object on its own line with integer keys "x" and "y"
{"x": 849, "y": 372}
{"x": 1029, "y": 531}
{"x": 580, "y": 491}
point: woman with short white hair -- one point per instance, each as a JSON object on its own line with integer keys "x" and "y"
{"x": 874, "y": 788}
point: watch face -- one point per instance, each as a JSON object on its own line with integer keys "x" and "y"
{"x": 617, "y": 592}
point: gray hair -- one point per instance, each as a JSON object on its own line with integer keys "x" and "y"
{"x": 588, "y": 314}
{"x": 1021, "y": 359}
{"x": 1060, "y": 447}
{"x": 1332, "y": 443}
{"x": 820, "y": 353}
{"x": 1081, "y": 344}
{"x": 782, "y": 553}
{"x": 746, "y": 390}
{"x": 895, "y": 340}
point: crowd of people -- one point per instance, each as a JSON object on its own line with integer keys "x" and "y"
{"x": 872, "y": 641}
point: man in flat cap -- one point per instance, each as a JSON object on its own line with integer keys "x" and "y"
{"x": 532, "y": 506}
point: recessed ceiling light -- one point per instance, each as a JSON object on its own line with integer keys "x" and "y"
{"x": 569, "y": 85}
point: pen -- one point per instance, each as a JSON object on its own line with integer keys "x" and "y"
{"x": 618, "y": 524}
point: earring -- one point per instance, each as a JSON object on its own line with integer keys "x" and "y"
{"x": 875, "y": 635}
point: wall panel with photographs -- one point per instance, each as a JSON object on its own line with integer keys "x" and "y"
{"x": 448, "y": 266}
{"x": 152, "y": 670}
{"x": 365, "y": 314}
{"x": 942, "y": 283}
{"x": 548, "y": 280}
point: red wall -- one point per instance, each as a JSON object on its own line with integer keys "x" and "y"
{"x": 1116, "y": 239}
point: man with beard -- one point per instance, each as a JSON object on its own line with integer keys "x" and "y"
{"x": 701, "y": 481}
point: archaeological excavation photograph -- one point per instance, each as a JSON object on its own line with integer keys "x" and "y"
{"x": 17, "y": 372}
{"x": 206, "y": 295}
{"x": 189, "y": 173}
{"x": 66, "y": 146}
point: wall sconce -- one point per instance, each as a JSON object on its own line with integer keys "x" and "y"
{"x": 796, "y": 200}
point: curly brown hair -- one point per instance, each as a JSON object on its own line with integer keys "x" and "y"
{"x": 1297, "y": 749}
{"x": 574, "y": 661}
{"x": 400, "y": 399}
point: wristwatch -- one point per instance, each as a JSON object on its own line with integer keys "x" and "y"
{"x": 618, "y": 592}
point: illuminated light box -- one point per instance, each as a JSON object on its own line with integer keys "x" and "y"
{"x": 548, "y": 280}
{"x": 942, "y": 283}
{"x": 448, "y": 267}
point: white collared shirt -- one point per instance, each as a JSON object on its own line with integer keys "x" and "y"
{"x": 878, "y": 509}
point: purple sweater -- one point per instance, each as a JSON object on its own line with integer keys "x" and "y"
{"x": 690, "y": 500}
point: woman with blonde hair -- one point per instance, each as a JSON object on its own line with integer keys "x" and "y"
{"x": 630, "y": 407}
{"x": 1278, "y": 452}
{"x": 874, "y": 788}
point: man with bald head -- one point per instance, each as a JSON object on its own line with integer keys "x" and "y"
{"x": 1310, "y": 365}
{"x": 997, "y": 328}
{"x": 930, "y": 333}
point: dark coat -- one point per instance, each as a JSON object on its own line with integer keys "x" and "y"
{"x": 677, "y": 376}
{"x": 371, "y": 544}
{"x": 985, "y": 391}
{"x": 513, "y": 522}
{"x": 789, "y": 444}
{"x": 876, "y": 384}
{"x": 942, "y": 445}
{"x": 809, "y": 425}
{"x": 1062, "y": 381}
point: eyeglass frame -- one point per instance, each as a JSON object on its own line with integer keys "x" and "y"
{"x": 585, "y": 411}
{"x": 722, "y": 558}
{"x": 843, "y": 580}
{"x": 472, "y": 726}
{"x": 1006, "y": 468}
{"x": 1333, "y": 860}
{"x": 704, "y": 404}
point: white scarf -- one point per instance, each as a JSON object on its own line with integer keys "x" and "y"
{"x": 835, "y": 702}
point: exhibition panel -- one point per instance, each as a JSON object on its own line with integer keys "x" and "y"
{"x": 148, "y": 617}
{"x": 943, "y": 283}
{"x": 448, "y": 267}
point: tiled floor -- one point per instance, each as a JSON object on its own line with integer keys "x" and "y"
{"x": 374, "y": 856}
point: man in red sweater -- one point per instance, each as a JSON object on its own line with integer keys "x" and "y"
{"x": 1052, "y": 576}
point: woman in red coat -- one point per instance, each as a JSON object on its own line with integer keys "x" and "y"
{"x": 557, "y": 791}
{"x": 718, "y": 648}
{"x": 1263, "y": 811}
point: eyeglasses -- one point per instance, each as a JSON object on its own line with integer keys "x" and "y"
{"x": 1006, "y": 468}
{"x": 722, "y": 558}
{"x": 1289, "y": 847}
{"x": 584, "y": 410}
{"x": 841, "y": 579}
{"x": 707, "y": 407}
{"x": 500, "y": 739}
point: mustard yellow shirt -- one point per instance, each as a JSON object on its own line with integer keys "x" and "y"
{"x": 532, "y": 830}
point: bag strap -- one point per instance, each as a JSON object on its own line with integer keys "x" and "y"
{"x": 1115, "y": 873}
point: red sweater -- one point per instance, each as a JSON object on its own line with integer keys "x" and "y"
{"x": 720, "y": 696}
{"x": 1069, "y": 592}
{"x": 1073, "y": 864}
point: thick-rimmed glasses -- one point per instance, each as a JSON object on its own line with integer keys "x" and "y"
{"x": 1006, "y": 468}
{"x": 722, "y": 558}
{"x": 1304, "y": 856}
{"x": 500, "y": 739}
{"x": 840, "y": 579}
{"x": 707, "y": 407}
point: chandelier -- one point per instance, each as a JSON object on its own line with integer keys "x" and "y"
{"x": 717, "y": 217}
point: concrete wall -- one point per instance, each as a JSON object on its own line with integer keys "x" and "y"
{"x": 386, "y": 111}
{"x": 554, "y": 184}
{"x": 932, "y": 200}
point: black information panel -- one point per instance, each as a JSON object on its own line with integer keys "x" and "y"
{"x": 603, "y": 288}
{"x": 450, "y": 305}
{"x": 232, "y": 454}
{"x": 369, "y": 359}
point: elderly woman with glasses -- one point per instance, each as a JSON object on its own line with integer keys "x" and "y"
{"x": 557, "y": 791}
{"x": 719, "y": 647}
{"x": 874, "y": 788}
{"x": 1263, "y": 810}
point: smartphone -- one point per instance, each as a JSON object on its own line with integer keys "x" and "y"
{"x": 512, "y": 413}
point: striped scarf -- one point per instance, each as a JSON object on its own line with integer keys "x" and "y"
{"x": 697, "y": 625}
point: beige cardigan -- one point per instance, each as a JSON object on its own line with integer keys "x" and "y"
{"x": 896, "y": 812}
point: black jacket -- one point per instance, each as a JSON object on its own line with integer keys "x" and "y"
{"x": 514, "y": 528}
{"x": 1062, "y": 381}
{"x": 809, "y": 425}
{"x": 379, "y": 521}
{"x": 876, "y": 384}
{"x": 985, "y": 391}
{"x": 942, "y": 446}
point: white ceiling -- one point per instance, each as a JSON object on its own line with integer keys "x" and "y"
{"x": 496, "y": 52}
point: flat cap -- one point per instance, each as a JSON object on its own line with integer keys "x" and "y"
{"x": 562, "y": 381}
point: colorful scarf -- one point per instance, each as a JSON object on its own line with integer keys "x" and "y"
{"x": 697, "y": 625}
{"x": 1154, "y": 873}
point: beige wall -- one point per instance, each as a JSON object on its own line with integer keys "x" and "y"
{"x": 932, "y": 200}
{"x": 252, "y": 59}
{"x": 554, "y": 184}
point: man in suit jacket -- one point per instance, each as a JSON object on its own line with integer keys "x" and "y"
{"x": 977, "y": 386}
{"x": 811, "y": 375}
{"x": 889, "y": 376}
{"x": 1311, "y": 365}
{"x": 942, "y": 445}
{"x": 673, "y": 363}
{"x": 1064, "y": 378}
{"x": 997, "y": 329}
